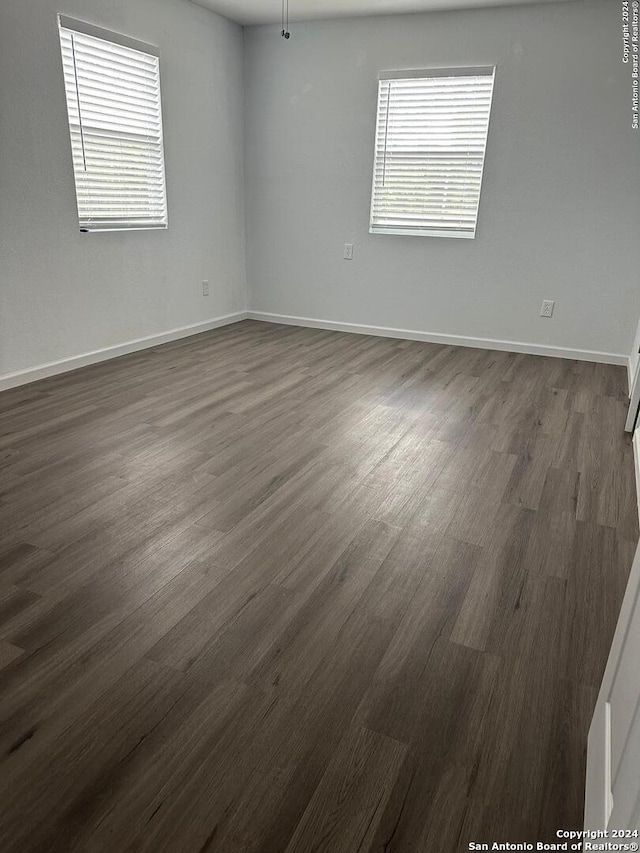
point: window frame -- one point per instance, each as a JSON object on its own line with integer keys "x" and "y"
{"x": 120, "y": 40}
{"x": 408, "y": 74}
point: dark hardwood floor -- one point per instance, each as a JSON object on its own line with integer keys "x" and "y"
{"x": 277, "y": 589}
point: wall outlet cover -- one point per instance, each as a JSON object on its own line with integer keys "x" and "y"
{"x": 547, "y": 308}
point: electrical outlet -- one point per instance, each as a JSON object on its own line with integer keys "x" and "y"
{"x": 348, "y": 251}
{"x": 205, "y": 288}
{"x": 547, "y": 308}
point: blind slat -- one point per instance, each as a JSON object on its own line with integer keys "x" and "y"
{"x": 115, "y": 123}
{"x": 429, "y": 152}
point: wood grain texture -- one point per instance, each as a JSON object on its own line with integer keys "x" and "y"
{"x": 270, "y": 589}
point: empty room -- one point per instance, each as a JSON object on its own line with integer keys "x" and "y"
{"x": 319, "y": 385}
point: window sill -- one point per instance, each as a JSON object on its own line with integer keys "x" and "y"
{"x": 424, "y": 232}
{"x": 124, "y": 228}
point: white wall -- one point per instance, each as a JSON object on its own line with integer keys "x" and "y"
{"x": 64, "y": 293}
{"x": 558, "y": 214}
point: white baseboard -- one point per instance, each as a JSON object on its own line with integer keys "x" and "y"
{"x": 438, "y": 338}
{"x": 42, "y": 371}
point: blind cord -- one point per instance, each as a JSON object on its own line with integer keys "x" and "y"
{"x": 285, "y": 19}
{"x": 386, "y": 135}
{"x": 75, "y": 77}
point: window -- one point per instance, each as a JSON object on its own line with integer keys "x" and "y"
{"x": 431, "y": 136}
{"x": 112, "y": 85}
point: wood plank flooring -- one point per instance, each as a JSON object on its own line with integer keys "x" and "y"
{"x": 277, "y": 589}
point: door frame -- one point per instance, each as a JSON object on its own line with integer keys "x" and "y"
{"x": 634, "y": 402}
{"x": 598, "y": 795}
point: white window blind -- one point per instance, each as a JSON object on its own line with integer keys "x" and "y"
{"x": 115, "y": 121}
{"x": 430, "y": 145}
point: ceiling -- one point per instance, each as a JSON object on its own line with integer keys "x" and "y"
{"x": 268, "y": 11}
